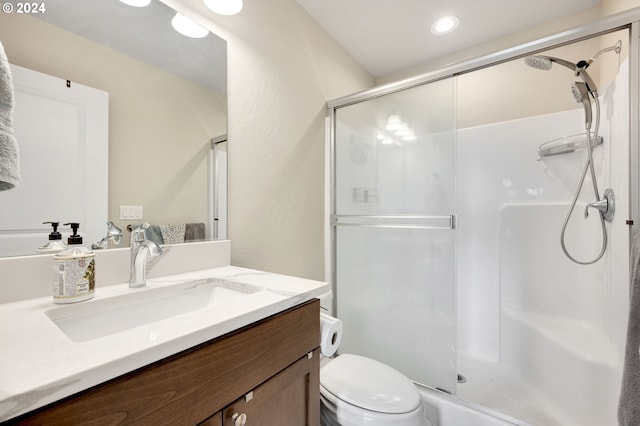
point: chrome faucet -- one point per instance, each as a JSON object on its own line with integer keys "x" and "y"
{"x": 114, "y": 234}
{"x": 142, "y": 250}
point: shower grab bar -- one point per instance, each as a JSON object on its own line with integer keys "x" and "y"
{"x": 396, "y": 221}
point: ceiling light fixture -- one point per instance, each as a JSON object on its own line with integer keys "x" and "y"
{"x": 445, "y": 25}
{"x": 136, "y": 3}
{"x": 187, "y": 27}
{"x": 224, "y": 7}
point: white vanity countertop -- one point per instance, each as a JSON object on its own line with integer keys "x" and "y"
{"x": 40, "y": 364}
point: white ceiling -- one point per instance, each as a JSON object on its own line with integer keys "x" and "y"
{"x": 146, "y": 34}
{"x": 387, "y": 36}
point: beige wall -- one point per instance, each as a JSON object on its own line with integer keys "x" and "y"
{"x": 610, "y": 7}
{"x": 159, "y": 124}
{"x": 282, "y": 69}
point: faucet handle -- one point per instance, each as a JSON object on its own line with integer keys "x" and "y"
{"x": 113, "y": 233}
{"x": 606, "y": 206}
{"x": 138, "y": 233}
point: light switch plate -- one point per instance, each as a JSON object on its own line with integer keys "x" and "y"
{"x": 131, "y": 213}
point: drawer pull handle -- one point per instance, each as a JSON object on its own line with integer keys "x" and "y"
{"x": 239, "y": 419}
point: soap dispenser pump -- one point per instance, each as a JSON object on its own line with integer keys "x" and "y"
{"x": 55, "y": 244}
{"x": 74, "y": 271}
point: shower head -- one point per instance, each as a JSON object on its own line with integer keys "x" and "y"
{"x": 580, "y": 92}
{"x": 538, "y": 62}
{"x": 545, "y": 63}
{"x": 580, "y": 69}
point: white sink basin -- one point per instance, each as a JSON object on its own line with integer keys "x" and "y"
{"x": 98, "y": 318}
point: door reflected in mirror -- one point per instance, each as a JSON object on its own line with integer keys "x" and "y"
{"x": 167, "y": 102}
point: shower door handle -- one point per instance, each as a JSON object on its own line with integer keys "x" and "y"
{"x": 396, "y": 221}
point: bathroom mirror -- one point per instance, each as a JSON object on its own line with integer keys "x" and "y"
{"x": 167, "y": 102}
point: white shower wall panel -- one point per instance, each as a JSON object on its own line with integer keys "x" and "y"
{"x": 498, "y": 170}
{"x": 521, "y": 302}
{"x": 497, "y": 164}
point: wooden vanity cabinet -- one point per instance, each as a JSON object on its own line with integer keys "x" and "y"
{"x": 285, "y": 399}
{"x": 266, "y": 373}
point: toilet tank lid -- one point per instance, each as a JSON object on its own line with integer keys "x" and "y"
{"x": 369, "y": 384}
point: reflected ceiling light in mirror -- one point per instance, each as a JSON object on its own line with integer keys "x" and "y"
{"x": 224, "y": 7}
{"x": 136, "y": 3}
{"x": 445, "y": 25}
{"x": 187, "y": 27}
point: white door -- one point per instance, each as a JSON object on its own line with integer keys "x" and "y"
{"x": 62, "y": 133}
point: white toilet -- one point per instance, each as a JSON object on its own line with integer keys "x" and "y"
{"x": 356, "y": 391}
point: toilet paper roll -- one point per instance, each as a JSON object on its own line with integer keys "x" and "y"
{"x": 330, "y": 334}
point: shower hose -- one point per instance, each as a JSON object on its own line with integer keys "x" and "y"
{"x": 589, "y": 166}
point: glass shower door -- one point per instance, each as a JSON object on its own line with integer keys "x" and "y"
{"x": 393, "y": 224}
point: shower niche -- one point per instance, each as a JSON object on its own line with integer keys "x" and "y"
{"x": 461, "y": 264}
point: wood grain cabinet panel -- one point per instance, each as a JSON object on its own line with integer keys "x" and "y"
{"x": 291, "y": 397}
{"x": 193, "y": 387}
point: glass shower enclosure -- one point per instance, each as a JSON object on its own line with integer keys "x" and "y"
{"x": 446, "y": 216}
{"x": 394, "y": 221}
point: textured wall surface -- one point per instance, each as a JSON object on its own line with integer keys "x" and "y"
{"x": 283, "y": 67}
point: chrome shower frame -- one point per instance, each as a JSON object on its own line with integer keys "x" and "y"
{"x": 625, "y": 20}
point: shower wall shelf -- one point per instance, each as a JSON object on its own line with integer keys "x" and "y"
{"x": 566, "y": 145}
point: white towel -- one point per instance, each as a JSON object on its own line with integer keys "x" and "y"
{"x": 9, "y": 164}
{"x": 629, "y": 405}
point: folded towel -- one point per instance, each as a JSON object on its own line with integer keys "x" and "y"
{"x": 629, "y": 405}
{"x": 194, "y": 232}
{"x": 173, "y": 233}
{"x": 9, "y": 165}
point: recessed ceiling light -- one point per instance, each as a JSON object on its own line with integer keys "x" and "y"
{"x": 445, "y": 25}
{"x": 136, "y": 3}
{"x": 187, "y": 27}
{"x": 224, "y": 7}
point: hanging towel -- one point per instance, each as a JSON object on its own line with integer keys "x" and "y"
{"x": 194, "y": 232}
{"x": 9, "y": 165}
{"x": 629, "y": 405}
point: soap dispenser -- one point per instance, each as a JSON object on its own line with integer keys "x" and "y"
{"x": 55, "y": 243}
{"x": 74, "y": 271}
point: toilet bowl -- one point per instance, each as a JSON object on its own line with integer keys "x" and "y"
{"x": 355, "y": 391}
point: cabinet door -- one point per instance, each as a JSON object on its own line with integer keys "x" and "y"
{"x": 215, "y": 420}
{"x": 291, "y": 397}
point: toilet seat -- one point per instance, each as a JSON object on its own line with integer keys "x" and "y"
{"x": 369, "y": 385}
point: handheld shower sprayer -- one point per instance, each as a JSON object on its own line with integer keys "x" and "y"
{"x": 581, "y": 94}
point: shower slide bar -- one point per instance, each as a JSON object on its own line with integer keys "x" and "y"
{"x": 396, "y": 221}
